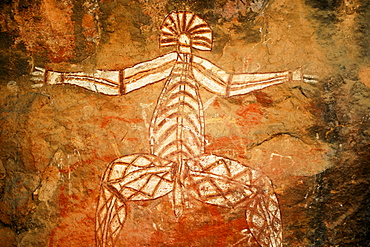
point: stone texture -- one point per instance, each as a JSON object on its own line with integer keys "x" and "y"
{"x": 311, "y": 139}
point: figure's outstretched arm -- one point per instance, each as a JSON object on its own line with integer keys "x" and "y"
{"x": 226, "y": 84}
{"x": 113, "y": 82}
{"x": 105, "y": 82}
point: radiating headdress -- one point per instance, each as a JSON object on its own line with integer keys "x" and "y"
{"x": 186, "y": 30}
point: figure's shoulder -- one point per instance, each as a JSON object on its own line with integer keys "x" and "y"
{"x": 204, "y": 63}
{"x": 169, "y": 56}
{"x": 166, "y": 58}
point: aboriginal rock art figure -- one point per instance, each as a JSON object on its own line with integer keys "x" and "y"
{"x": 177, "y": 162}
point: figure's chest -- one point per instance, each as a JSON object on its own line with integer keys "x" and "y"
{"x": 180, "y": 94}
{"x": 178, "y": 126}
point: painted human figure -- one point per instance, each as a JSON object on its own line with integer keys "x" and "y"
{"x": 177, "y": 164}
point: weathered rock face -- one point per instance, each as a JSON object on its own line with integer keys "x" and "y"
{"x": 311, "y": 139}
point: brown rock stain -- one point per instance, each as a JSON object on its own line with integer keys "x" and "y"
{"x": 49, "y": 28}
{"x": 365, "y": 76}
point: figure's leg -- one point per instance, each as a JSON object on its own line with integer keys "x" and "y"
{"x": 110, "y": 217}
{"x": 129, "y": 178}
{"x": 224, "y": 182}
{"x": 263, "y": 214}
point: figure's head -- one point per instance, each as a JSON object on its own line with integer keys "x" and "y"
{"x": 186, "y": 30}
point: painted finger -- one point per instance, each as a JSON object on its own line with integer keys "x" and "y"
{"x": 38, "y": 85}
{"x": 37, "y": 73}
{"x": 40, "y": 69}
{"x": 37, "y": 78}
{"x": 310, "y": 78}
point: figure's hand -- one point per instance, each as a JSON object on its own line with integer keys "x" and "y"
{"x": 310, "y": 78}
{"x": 38, "y": 77}
{"x": 299, "y": 76}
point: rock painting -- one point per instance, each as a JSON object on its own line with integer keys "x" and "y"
{"x": 177, "y": 164}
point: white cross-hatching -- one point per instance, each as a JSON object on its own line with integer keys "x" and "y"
{"x": 177, "y": 162}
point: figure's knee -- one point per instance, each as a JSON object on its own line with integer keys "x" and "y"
{"x": 117, "y": 167}
{"x": 234, "y": 170}
{"x": 124, "y": 165}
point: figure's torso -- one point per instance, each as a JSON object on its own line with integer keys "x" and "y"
{"x": 177, "y": 128}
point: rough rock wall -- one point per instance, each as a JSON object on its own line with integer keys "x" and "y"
{"x": 311, "y": 139}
